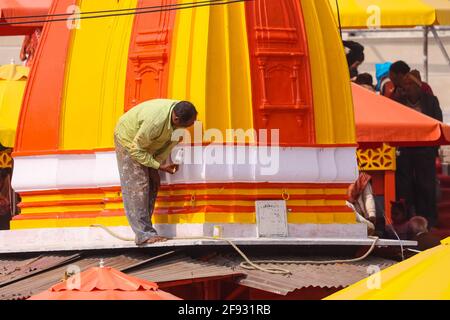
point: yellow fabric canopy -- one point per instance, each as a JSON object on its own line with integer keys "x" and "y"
{"x": 392, "y": 14}
{"x": 12, "y": 86}
{"x": 425, "y": 276}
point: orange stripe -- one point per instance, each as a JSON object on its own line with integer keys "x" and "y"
{"x": 244, "y": 209}
{"x": 240, "y": 197}
{"x": 151, "y": 34}
{"x": 68, "y": 215}
{"x": 256, "y": 185}
{"x": 39, "y": 124}
{"x": 60, "y": 203}
{"x": 180, "y": 210}
{"x": 201, "y": 186}
{"x": 64, "y": 191}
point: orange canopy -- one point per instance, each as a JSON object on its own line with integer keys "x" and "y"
{"x": 104, "y": 283}
{"x": 379, "y": 119}
{"x": 9, "y": 9}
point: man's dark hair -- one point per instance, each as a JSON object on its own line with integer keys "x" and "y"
{"x": 400, "y": 67}
{"x": 185, "y": 111}
{"x": 364, "y": 78}
{"x": 356, "y": 52}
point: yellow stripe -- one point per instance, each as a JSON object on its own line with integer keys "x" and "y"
{"x": 195, "y": 218}
{"x": 209, "y": 69}
{"x": 333, "y": 105}
{"x": 95, "y": 77}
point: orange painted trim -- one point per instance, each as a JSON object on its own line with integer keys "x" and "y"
{"x": 64, "y": 191}
{"x": 237, "y": 197}
{"x": 68, "y": 215}
{"x": 18, "y": 154}
{"x": 150, "y": 48}
{"x": 246, "y": 209}
{"x": 39, "y": 204}
{"x": 40, "y": 117}
{"x": 281, "y": 100}
{"x": 255, "y": 185}
{"x": 200, "y": 186}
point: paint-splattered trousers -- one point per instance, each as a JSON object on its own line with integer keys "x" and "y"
{"x": 140, "y": 186}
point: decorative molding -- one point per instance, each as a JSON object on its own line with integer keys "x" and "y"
{"x": 6, "y": 160}
{"x": 379, "y": 159}
{"x": 281, "y": 84}
{"x": 98, "y": 170}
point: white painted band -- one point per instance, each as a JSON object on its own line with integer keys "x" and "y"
{"x": 283, "y": 165}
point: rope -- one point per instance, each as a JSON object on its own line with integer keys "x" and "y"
{"x": 254, "y": 265}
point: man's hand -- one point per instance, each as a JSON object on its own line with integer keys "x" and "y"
{"x": 169, "y": 168}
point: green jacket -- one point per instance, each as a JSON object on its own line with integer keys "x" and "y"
{"x": 146, "y": 132}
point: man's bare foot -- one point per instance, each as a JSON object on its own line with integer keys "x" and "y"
{"x": 154, "y": 240}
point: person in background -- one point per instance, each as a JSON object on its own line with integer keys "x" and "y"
{"x": 399, "y": 218}
{"x": 360, "y": 195}
{"x": 384, "y": 84}
{"x": 418, "y": 227}
{"x": 365, "y": 80}
{"x": 355, "y": 57}
{"x": 416, "y": 166}
{"x": 397, "y": 74}
{"x": 423, "y": 85}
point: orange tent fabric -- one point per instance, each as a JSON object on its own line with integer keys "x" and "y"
{"x": 379, "y": 119}
{"x": 9, "y": 9}
{"x": 104, "y": 283}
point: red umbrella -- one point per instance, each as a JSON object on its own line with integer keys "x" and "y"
{"x": 104, "y": 283}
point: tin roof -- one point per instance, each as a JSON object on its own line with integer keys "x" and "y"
{"x": 24, "y": 288}
{"x": 333, "y": 275}
{"x": 182, "y": 267}
{"x": 12, "y": 269}
{"x": 172, "y": 267}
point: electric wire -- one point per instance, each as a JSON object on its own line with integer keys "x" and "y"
{"x": 136, "y": 11}
{"x": 255, "y": 265}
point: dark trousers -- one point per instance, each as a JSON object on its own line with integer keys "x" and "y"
{"x": 416, "y": 181}
{"x": 139, "y": 192}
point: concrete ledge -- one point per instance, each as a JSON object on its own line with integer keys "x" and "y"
{"x": 73, "y": 239}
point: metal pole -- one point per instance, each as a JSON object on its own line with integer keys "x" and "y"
{"x": 440, "y": 44}
{"x": 425, "y": 51}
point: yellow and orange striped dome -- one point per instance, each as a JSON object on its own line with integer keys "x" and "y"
{"x": 265, "y": 64}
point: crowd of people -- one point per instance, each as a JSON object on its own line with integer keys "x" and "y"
{"x": 415, "y": 209}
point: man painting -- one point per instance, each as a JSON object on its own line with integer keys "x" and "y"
{"x": 143, "y": 139}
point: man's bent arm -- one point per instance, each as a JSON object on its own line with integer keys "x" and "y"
{"x": 143, "y": 140}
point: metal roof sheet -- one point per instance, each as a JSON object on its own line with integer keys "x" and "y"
{"x": 182, "y": 267}
{"x": 335, "y": 275}
{"x": 12, "y": 269}
{"x": 27, "y": 287}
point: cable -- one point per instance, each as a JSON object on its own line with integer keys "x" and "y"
{"x": 111, "y": 10}
{"x": 389, "y": 221}
{"x": 191, "y": 5}
{"x": 253, "y": 265}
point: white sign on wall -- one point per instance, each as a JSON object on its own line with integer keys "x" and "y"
{"x": 271, "y": 219}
